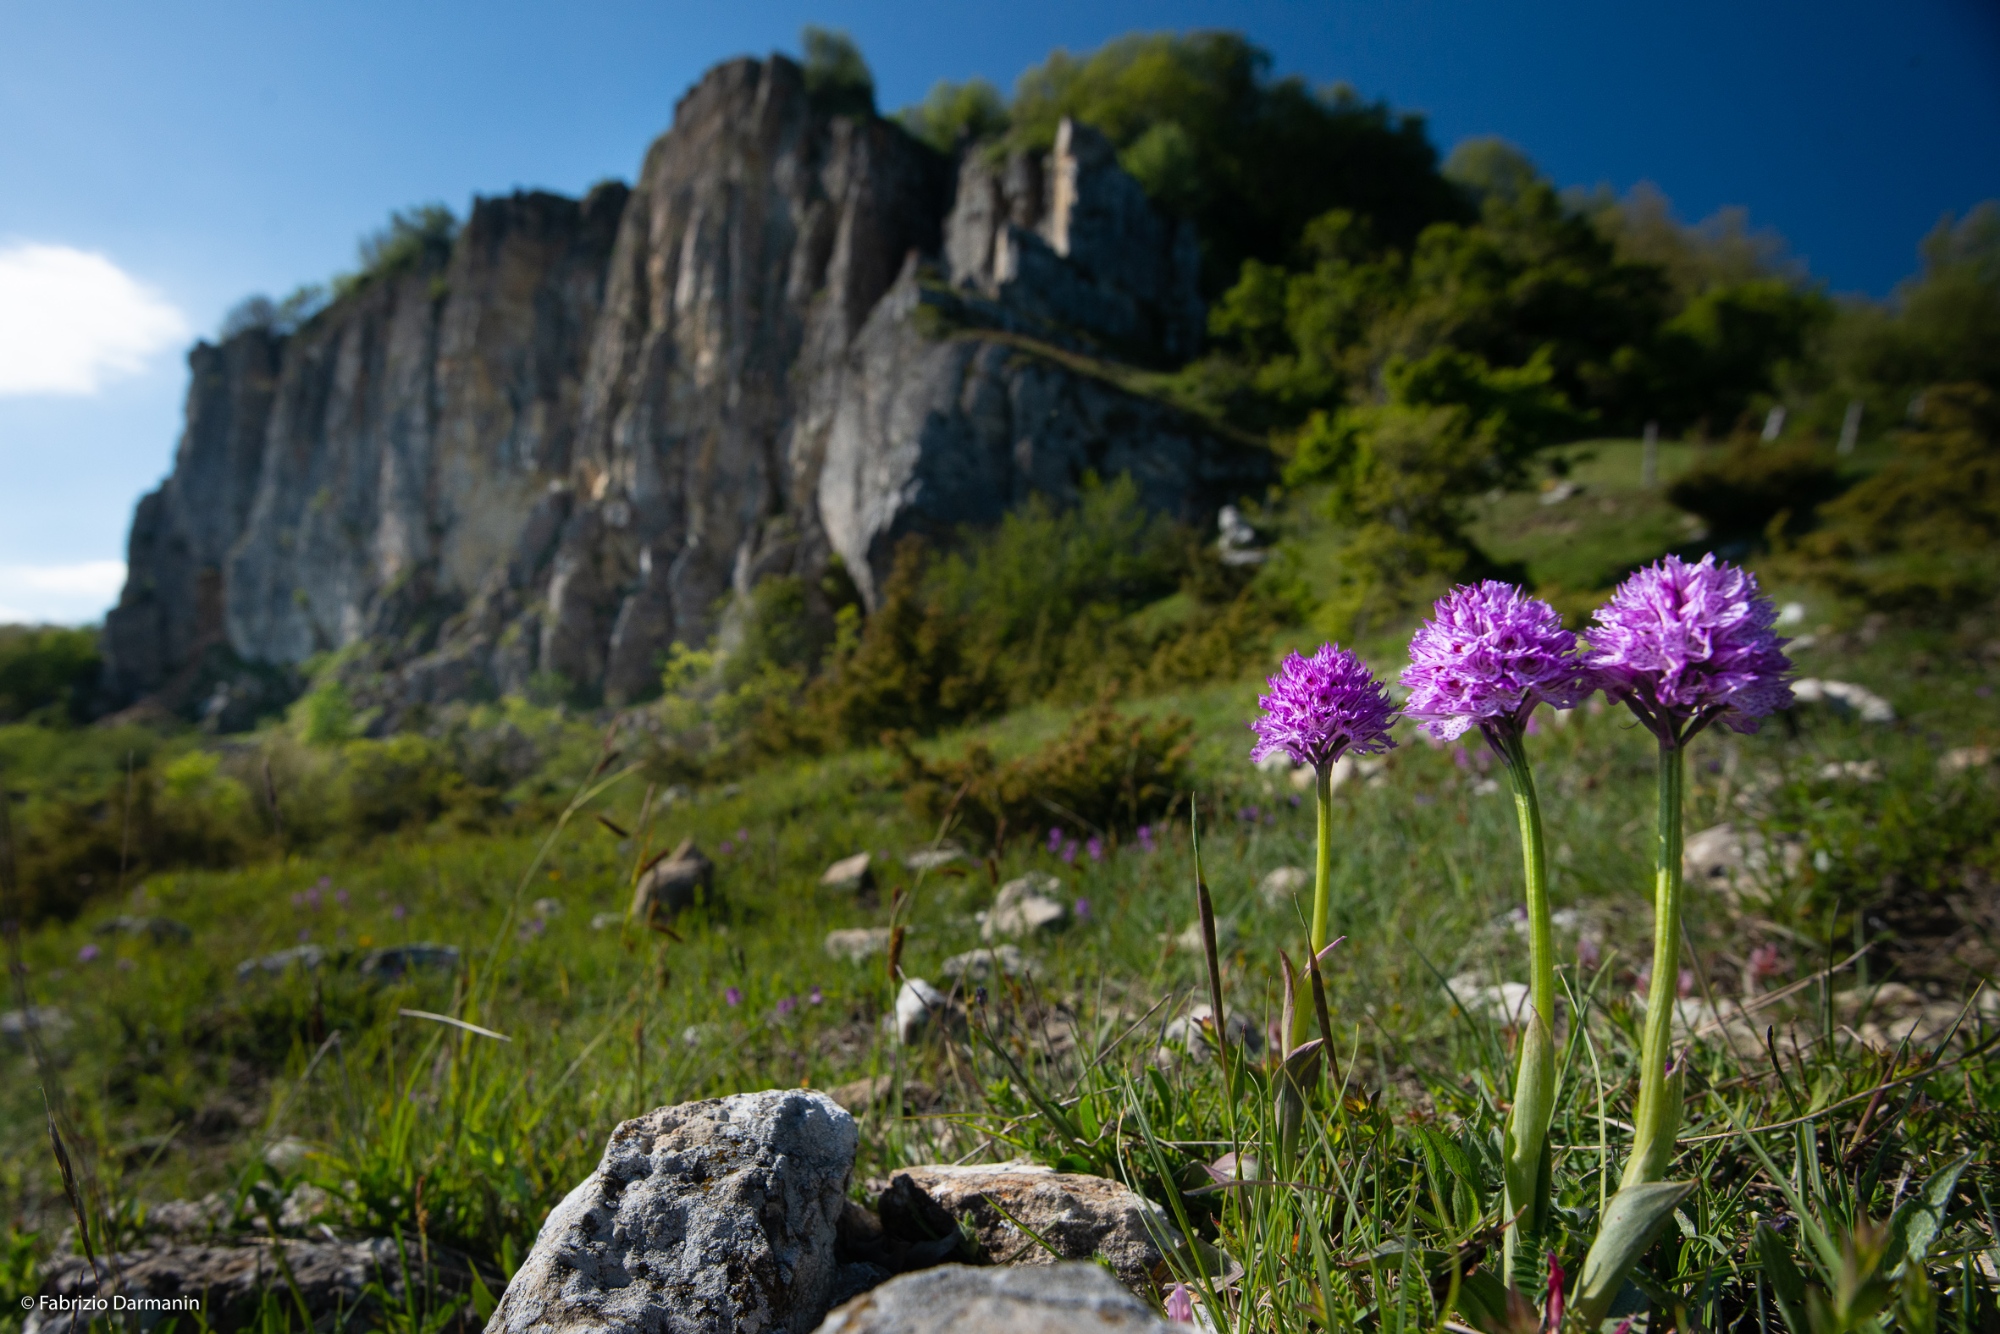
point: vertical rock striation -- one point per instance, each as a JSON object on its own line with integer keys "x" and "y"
{"x": 565, "y": 441}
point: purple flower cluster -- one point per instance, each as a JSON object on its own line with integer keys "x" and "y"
{"x": 1685, "y": 645}
{"x": 1488, "y": 656}
{"x": 1321, "y": 708}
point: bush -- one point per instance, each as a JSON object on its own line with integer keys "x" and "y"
{"x": 1923, "y": 534}
{"x": 1753, "y": 485}
{"x": 1109, "y": 773}
{"x": 47, "y": 674}
{"x": 838, "y": 80}
{"x": 955, "y": 114}
{"x": 409, "y": 239}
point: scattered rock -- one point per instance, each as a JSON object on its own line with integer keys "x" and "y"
{"x": 1846, "y": 697}
{"x": 1193, "y": 1028}
{"x": 855, "y": 944}
{"x": 1080, "y": 1216}
{"x": 227, "y": 1284}
{"x": 159, "y": 930}
{"x": 399, "y": 961}
{"x": 990, "y": 961}
{"x": 189, "y": 1220}
{"x": 547, "y": 909}
{"x": 1850, "y": 771}
{"x": 1732, "y": 860}
{"x": 958, "y": 1299}
{"x": 1558, "y": 492}
{"x": 1023, "y": 907}
{"x": 303, "y": 957}
{"x": 709, "y": 1216}
{"x": 604, "y": 921}
{"x": 1504, "y": 1001}
{"x": 1190, "y": 939}
{"x": 862, "y": 1094}
{"x": 48, "y": 1021}
{"x": 678, "y": 881}
{"x": 919, "y": 1006}
{"x": 287, "y": 1154}
{"x": 850, "y": 875}
{"x": 1960, "y": 758}
{"x": 930, "y": 859}
{"x": 1279, "y": 888}
{"x": 1236, "y": 540}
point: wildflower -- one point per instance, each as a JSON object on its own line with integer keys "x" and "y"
{"x": 1180, "y": 1304}
{"x": 1552, "y": 1309}
{"x": 1055, "y": 838}
{"x": 305, "y": 934}
{"x": 86, "y": 954}
{"x": 732, "y": 996}
{"x": 1069, "y": 853}
{"x": 1319, "y": 709}
{"x": 726, "y": 848}
{"x": 1588, "y": 955}
{"x": 1681, "y": 646}
{"x": 1488, "y": 658}
{"x": 340, "y": 897}
{"x": 326, "y": 882}
{"x": 399, "y": 912}
{"x": 1145, "y": 837}
{"x": 532, "y": 929}
{"x": 815, "y": 996}
{"x": 1686, "y": 645}
{"x": 1095, "y": 847}
{"x": 786, "y": 1005}
{"x": 1765, "y": 962}
{"x": 1083, "y": 910}
{"x": 743, "y": 836}
{"x": 126, "y": 965}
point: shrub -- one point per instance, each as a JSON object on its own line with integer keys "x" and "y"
{"x": 47, "y": 673}
{"x": 954, "y": 114}
{"x": 838, "y": 80}
{"x": 410, "y": 238}
{"x": 1109, "y": 772}
{"x": 1752, "y": 485}
{"x": 1923, "y": 534}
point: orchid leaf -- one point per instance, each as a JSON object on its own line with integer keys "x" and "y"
{"x": 1916, "y": 1222}
{"x": 1632, "y": 1220}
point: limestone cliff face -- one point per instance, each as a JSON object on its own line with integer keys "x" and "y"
{"x": 565, "y": 441}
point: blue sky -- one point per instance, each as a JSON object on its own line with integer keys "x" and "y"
{"x": 163, "y": 161}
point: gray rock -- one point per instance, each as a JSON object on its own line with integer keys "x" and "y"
{"x": 710, "y": 1216}
{"x": 1281, "y": 887}
{"x": 395, "y": 962}
{"x": 920, "y": 1007}
{"x": 526, "y": 456}
{"x": 1024, "y": 907}
{"x": 992, "y": 961}
{"x": 1080, "y": 1216}
{"x": 673, "y": 884}
{"x": 959, "y": 1299}
{"x": 857, "y": 943}
{"x": 850, "y": 874}
{"x": 1194, "y": 1028}
{"x": 930, "y": 859}
{"x": 47, "y": 1021}
{"x": 305, "y": 958}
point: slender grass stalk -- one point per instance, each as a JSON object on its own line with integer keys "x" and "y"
{"x": 1656, "y": 1120}
{"x": 1323, "y": 865}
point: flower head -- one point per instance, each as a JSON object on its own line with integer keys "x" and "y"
{"x": 1684, "y": 645}
{"x": 732, "y": 995}
{"x": 1322, "y": 707}
{"x": 1180, "y": 1304}
{"x": 1489, "y": 655}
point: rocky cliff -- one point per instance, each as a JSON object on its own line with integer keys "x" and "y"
{"x": 568, "y": 438}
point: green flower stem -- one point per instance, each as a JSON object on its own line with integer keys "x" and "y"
{"x": 1322, "y": 889}
{"x": 1323, "y": 876}
{"x": 1657, "y": 1118}
{"x": 1534, "y": 1082}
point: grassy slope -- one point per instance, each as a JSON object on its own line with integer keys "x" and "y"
{"x": 167, "y": 1046}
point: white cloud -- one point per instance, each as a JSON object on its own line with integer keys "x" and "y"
{"x": 71, "y": 320}
{"x": 60, "y": 594}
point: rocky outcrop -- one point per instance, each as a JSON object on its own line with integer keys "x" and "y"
{"x": 711, "y": 1216}
{"x": 566, "y": 440}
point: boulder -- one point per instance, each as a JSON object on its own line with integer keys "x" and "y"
{"x": 851, "y": 875}
{"x": 677, "y": 881}
{"x": 710, "y": 1216}
{"x": 1080, "y": 1216}
{"x": 1024, "y": 907}
{"x": 958, "y": 1299}
{"x": 855, "y": 944}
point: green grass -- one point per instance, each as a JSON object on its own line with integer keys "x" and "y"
{"x": 179, "y": 1074}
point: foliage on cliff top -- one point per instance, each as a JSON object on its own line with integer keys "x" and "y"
{"x": 47, "y": 673}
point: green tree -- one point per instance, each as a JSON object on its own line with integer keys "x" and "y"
{"x": 955, "y": 114}
{"x": 838, "y": 80}
{"x": 47, "y": 673}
